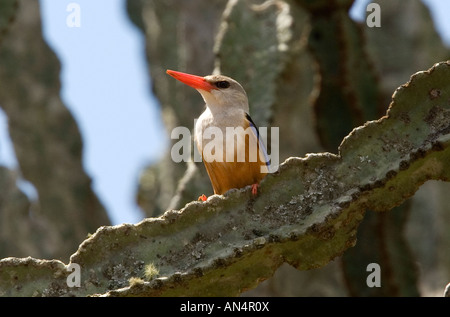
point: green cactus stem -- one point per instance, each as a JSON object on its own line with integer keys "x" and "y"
{"x": 306, "y": 214}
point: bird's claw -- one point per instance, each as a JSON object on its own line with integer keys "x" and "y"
{"x": 255, "y": 189}
{"x": 202, "y": 198}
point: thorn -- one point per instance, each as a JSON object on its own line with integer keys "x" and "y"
{"x": 202, "y": 198}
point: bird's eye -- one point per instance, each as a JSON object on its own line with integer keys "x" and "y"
{"x": 222, "y": 84}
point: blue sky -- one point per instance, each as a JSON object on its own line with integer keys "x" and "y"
{"x": 106, "y": 87}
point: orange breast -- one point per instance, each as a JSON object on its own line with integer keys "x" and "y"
{"x": 238, "y": 173}
{"x": 227, "y": 175}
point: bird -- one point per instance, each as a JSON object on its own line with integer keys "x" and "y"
{"x": 240, "y": 158}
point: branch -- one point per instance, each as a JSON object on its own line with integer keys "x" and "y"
{"x": 306, "y": 214}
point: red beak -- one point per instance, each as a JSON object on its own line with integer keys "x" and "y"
{"x": 196, "y": 82}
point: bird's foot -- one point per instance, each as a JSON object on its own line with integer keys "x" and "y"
{"x": 255, "y": 189}
{"x": 202, "y": 198}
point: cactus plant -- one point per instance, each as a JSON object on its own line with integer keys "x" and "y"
{"x": 306, "y": 215}
{"x": 309, "y": 213}
{"x": 47, "y": 144}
